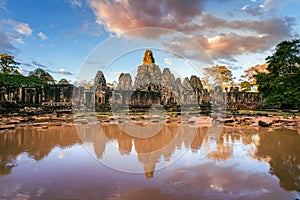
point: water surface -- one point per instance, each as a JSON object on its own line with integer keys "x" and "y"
{"x": 178, "y": 162}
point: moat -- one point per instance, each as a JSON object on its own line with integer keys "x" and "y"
{"x": 93, "y": 161}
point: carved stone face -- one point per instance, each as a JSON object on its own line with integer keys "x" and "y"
{"x": 148, "y": 57}
{"x": 149, "y": 53}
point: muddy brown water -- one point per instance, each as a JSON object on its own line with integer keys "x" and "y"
{"x": 95, "y": 161}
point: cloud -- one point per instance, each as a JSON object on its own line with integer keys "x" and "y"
{"x": 280, "y": 27}
{"x": 137, "y": 14}
{"x": 91, "y": 62}
{"x": 15, "y": 37}
{"x": 228, "y": 45}
{"x": 21, "y": 28}
{"x": 12, "y": 31}
{"x": 75, "y": 3}
{"x": 253, "y": 10}
{"x": 20, "y": 40}
{"x": 39, "y": 65}
{"x": 246, "y": 36}
{"x": 60, "y": 71}
{"x": 168, "y": 61}
{"x": 5, "y": 44}
{"x": 43, "y": 36}
{"x": 266, "y": 7}
{"x": 191, "y": 49}
{"x": 63, "y": 71}
{"x": 271, "y": 5}
{"x": 27, "y": 64}
{"x": 86, "y": 27}
{"x": 222, "y": 46}
{"x": 3, "y": 4}
{"x": 219, "y": 38}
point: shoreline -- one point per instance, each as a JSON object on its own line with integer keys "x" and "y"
{"x": 276, "y": 121}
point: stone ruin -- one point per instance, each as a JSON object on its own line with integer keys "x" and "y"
{"x": 150, "y": 87}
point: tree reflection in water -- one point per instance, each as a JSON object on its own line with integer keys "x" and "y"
{"x": 281, "y": 147}
{"x": 36, "y": 142}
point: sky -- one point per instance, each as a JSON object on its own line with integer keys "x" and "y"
{"x": 73, "y": 39}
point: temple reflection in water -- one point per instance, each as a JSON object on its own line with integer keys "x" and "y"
{"x": 280, "y": 148}
{"x": 150, "y": 151}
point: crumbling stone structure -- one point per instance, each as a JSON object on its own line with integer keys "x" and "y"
{"x": 151, "y": 87}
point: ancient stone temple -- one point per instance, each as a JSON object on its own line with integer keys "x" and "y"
{"x": 148, "y": 72}
{"x": 102, "y": 92}
{"x": 125, "y": 82}
{"x": 151, "y": 87}
{"x": 148, "y": 58}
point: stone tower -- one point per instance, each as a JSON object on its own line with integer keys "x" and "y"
{"x": 148, "y": 72}
{"x": 148, "y": 58}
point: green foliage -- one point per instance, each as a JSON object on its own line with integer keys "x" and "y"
{"x": 18, "y": 80}
{"x": 8, "y": 64}
{"x": 246, "y": 86}
{"x": 281, "y": 86}
{"x": 63, "y": 81}
{"x": 42, "y": 75}
{"x": 248, "y": 81}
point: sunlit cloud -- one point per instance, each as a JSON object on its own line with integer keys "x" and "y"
{"x": 42, "y": 36}
{"x": 63, "y": 71}
{"x": 21, "y": 28}
{"x": 219, "y": 37}
{"x": 20, "y": 40}
{"x": 253, "y": 10}
{"x": 168, "y": 61}
{"x": 15, "y": 37}
{"x": 138, "y": 14}
{"x": 60, "y": 71}
{"x": 12, "y": 31}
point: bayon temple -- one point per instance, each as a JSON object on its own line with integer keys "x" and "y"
{"x": 151, "y": 87}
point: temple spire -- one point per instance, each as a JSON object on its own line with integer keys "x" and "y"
{"x": 148, "y": 57}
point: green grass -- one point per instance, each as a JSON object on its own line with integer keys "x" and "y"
{"x": 279, "y": 112}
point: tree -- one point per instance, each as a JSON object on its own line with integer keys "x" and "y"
{"x": 248, "y": 81}
{"x": 63, "y": 81}
{"x": 217, "y": 76}
{"x": 281, "y": 86}
{"x": 84, "y": 83}
{"x": 8, "y": 64}
{"x": 42, "y": 75}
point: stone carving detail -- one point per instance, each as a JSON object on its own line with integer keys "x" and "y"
{"x": 168, "y": 78}
{"x": 195, "y": 83}
{"x": 148, "y": 73}
{"x": 148, "y": 58}
{"x": 186, "y": 83}
{"x": 100, "y": 80}
{"x": 125, "y": 82}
